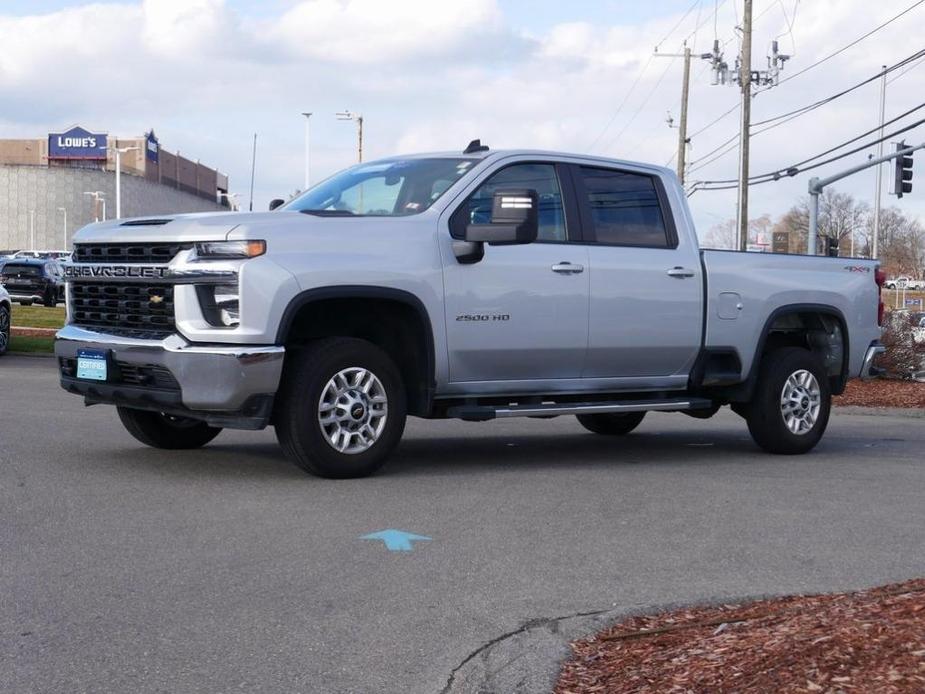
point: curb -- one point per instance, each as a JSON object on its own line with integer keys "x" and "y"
{"x": 912, "y": 412}
{"x": 34, "y": 355}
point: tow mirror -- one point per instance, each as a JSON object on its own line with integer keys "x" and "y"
{"x": 276, "y": 202}
{"x": 514, "y": 219}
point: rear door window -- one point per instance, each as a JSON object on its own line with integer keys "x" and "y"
{"x": 624, "y": 208}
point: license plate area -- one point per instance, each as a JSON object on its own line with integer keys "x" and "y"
{"x": 92, "y": 364}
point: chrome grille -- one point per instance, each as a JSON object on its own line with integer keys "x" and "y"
{"x": 138, "y": 307}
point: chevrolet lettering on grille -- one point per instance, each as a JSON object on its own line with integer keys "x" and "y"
{"x": 141, "y": 272}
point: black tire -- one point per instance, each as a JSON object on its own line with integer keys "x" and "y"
{"x": 26, "y": 302}
{"x": 5, "y": 329}
{"x": 308, "y": 376}
{"x": 611, "y": 424}
{"x": 160, "y": 430}
{"x": 765, "y": 415}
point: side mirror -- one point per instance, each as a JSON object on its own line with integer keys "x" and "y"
{"x": 276, "y": 202}
{"x": 514, "y": 219}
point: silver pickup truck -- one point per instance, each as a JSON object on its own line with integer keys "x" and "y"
{"x": 474, "y": 285}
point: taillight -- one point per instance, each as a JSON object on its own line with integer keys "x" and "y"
{"x": 879, "y": 278}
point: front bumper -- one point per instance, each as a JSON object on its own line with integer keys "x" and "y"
{"x": 868, "y": 370}
{"x": 225, "y": 385}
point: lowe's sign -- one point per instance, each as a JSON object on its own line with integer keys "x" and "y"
{"x": 77, "y": 143}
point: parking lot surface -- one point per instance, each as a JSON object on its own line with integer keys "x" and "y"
{"x": 225, "y": 569}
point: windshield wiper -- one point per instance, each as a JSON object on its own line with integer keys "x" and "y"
{"x": 329, "y": 213}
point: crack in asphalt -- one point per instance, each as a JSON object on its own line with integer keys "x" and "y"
{"x": 525, "y": 627}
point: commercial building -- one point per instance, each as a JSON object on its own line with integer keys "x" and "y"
{"x": 51, "y": 186}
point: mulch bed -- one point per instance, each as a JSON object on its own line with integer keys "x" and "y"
{"x": 868, "y": 641}
{"x": 34, "y": 332}
{"x": 882, "y": 392}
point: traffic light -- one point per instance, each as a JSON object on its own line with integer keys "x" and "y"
{"x": 902, "y": 177}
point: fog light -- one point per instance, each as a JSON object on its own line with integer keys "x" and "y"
{"x": 220, "y": 304}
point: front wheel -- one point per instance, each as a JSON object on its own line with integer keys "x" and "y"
{"x": 160, "y": 430}
{"x": 611, "y": 424}
{"x": 790, "y": 408}
{"x": 342, "y": 408}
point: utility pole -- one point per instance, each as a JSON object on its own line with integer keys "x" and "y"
{"x": 745, "y": 81}
{"x": 685, "y": 90}
{"x": 877, "y": 193}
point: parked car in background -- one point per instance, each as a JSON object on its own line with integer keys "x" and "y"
{"x": 904, "y": 282}
{"x": 29, "y": 279}
{"x": 6, "y": 310}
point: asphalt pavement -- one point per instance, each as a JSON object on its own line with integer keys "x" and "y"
{"x": 227, "y": 569}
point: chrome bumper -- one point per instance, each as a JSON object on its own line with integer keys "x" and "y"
{"x": 217, "y": 378}
{"x": 868, "y": 370}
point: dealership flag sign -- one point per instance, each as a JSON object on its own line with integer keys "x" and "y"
{"x": 77, "y": 143}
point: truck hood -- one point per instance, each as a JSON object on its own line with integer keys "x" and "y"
{"x": 200, "y": 226}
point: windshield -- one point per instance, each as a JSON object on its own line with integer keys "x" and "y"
{"x": 386, "y": 188}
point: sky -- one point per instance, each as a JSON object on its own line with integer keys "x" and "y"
{"x": 575, "y": 76}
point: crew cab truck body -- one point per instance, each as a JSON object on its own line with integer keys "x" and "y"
{"x": 473, "y": 285}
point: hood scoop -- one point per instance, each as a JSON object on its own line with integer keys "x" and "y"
{"x": 145, "y": 222}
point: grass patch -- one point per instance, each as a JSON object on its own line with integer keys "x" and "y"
{"x": 37, "y": 345}
{"x": 38, "y": 316}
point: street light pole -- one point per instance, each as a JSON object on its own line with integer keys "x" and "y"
{"x": 64, "y": 210}
{"x": 349, "y": 115}
{"x": 308, "y": 141}
{"x": 119, "y": 152}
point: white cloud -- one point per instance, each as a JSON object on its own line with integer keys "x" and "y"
{"x": 433, "y": 75}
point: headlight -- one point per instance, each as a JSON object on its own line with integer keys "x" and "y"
{"x": 230, "y": 250}
{"x": 220, "y": 304}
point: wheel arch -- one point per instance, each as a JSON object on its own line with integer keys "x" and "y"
{"x": 320, "y": 312}
{"x": 777, "y": 333}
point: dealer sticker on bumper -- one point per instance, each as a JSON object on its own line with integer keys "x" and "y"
{"x": 91, "y": 364}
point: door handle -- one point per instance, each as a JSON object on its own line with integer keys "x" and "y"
{"x": 680, "y": 272}
{"x": 567, "y": 268}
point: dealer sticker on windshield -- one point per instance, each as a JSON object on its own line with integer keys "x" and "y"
{"x": 91, "y": 364}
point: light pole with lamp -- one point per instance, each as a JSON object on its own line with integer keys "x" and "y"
{"x": 349, "y": 115}
{"x": 64, "y": 210}
{"x": 97, "y": 196}
{"x": 308, "y": 141}
{"x": 119, "y": 152}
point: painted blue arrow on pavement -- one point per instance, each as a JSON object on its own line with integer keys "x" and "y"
{"x": 396, "y": 540}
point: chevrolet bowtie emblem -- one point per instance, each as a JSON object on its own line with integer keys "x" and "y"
{"x": 155, "y": 298}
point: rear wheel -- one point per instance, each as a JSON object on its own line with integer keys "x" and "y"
{"x": 342, "y": 409}
{"x": 790, "y": 408}
{"x": 611, "y": 424}
{"x": 4, "y": 329}
{"x": 160, "y": 430}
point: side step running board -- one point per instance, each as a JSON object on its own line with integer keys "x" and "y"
{"x": 481, "y": 413}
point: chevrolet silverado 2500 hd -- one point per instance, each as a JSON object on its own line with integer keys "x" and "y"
{"x": 473, "y": 285}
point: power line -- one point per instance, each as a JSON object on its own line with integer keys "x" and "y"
{"x": 853, "y": 43}
{"x": 818, "y": 62}
{"x": 643, "y": 104}
{"x": 791, "y": 115}
{"x": 795, "y": 169}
